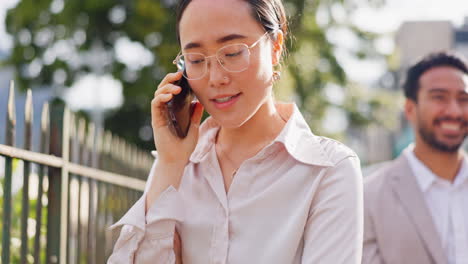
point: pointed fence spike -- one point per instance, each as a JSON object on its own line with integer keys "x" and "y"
{"x": 107, "y": 142}
{"x": 72, "y": 126}
{"x": 11, "y": 116}
{"x": 28, "y": 107}
{"x": 99, "y": 147}
{"x": 90, "y": 144}
{"x": 81, "y": 130}
{"x": 45, "y": 129}
{"x": 28, "y": 120}
{"x": 91, "y": 135}
{"x": 45, "y": 123}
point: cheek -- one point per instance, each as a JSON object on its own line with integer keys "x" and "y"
{"x": 424, "y": 115}
{"x": 261, "y": 61}
{"x": 259, "y": 75}
{"x": 431, "y": 110}
{"x": 465, "y": 111}
{"x": 266, "y": 62}
{"x": 199, "y": 88}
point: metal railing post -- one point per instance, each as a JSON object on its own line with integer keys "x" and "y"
{"x": 7, "y": 199}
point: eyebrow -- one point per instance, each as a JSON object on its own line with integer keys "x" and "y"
{"x": 440, "y": 90}
{"x": 437, "y": 90}
{"x": 224, "y": 39}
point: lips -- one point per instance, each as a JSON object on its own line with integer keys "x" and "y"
{"x": 226, "y": 100}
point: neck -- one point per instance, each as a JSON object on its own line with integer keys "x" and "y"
{"x": 443, "y": 164}
{"x": 255, "y": 133}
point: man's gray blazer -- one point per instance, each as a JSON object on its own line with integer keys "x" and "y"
{"x": 398, "y": 227}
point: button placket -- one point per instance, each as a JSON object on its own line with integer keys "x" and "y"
{"x": 220, "y": 238}
{"x": 230, "y": 230}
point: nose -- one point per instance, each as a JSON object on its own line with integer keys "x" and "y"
{"x": 454, "y": 109}
{"x": 216, "y": 73}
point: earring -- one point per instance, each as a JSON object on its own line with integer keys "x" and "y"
{"x": 276, "y": 75}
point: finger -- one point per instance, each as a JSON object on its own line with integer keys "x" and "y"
{"x": 196, "y": 119}
{"x": 170, "y": 78}
{"x": 158, "y": 110}
{"x": 161, "y": 99}
{"x": 168, "y": 89}
{"x": 197, "y": 114}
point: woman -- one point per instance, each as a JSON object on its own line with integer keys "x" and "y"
{"x": 252, "y": 184}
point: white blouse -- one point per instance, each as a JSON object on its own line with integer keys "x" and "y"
{"x": 299, "y": 200}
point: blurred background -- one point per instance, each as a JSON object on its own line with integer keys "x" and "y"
{"x": 104, "y": 59}
{"x": 344, "y": 65}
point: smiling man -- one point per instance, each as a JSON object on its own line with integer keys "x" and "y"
{"x": 416, "y": 208}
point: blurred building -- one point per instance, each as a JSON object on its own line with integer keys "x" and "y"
{"x": 461, "y": 39}
{"x": 417, "y": 38}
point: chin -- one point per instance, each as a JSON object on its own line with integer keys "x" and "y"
{"x": 449, "y": 147}
{"x": 227, "y": 122}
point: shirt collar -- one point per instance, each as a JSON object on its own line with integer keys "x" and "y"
{"x": 462, "y": 176}
{"x": 296, "y": 137}
{"x": 425, "y": 177}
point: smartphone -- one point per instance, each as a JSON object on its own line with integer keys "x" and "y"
{"x": 180, "y": 108}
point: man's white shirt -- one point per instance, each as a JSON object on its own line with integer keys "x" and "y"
{"x": 448, "y": 205}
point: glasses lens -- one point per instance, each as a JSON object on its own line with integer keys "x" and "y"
{"x": 234, "y": 58}
{"x": 195, "y": 65}
{"x": 180, "y": 63}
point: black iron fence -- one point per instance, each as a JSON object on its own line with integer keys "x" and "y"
{"x": 57, "y": 203}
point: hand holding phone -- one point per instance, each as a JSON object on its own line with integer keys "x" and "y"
{"x": 180, "y": 108}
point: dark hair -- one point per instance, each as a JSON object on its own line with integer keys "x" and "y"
{"x": 269, "y": 13}
{"x": 430, "y": 61}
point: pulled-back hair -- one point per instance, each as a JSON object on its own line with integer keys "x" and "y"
{"x": 269, "y": 13}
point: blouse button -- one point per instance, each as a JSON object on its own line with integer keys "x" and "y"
{"x": 230, "y": 230}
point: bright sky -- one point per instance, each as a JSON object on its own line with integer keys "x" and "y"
{"x": 385, "y": 20}
{"x": 5, "y": 42}
{"x": 390, "y": 17}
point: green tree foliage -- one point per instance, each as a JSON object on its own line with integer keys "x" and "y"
{"x": 85, "y": 33}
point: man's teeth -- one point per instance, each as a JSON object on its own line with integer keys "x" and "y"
{"x": 450, "y": 126}
{"x": 224, "y": 99}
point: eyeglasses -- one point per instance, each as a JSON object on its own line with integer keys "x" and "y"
{"x": 232, "y": 57}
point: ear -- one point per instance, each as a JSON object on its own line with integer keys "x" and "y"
{"x": 410, "y": 109}
{"x": 277, "y": 47}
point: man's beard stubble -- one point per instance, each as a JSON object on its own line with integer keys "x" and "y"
{"x": 429, "y": 137}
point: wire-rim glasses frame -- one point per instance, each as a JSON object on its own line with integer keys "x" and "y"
{"x": 180, "y": 62}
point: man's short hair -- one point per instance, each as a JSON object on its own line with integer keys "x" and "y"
{"x": 430, "y": 61}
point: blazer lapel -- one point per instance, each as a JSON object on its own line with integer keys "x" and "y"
{"x": 408, "y": 191}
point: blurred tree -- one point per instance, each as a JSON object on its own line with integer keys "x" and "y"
{"x": 56, "y": 42}
{"x": 314, "y": 71}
